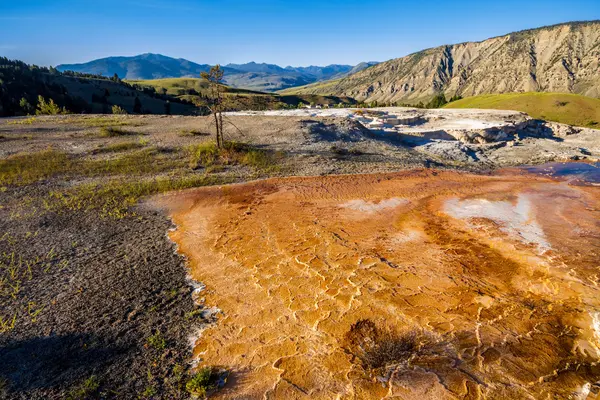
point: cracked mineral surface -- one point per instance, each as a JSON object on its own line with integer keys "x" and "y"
{"x": 498, "y": 273}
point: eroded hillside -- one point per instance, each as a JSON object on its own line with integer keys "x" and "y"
{"x": 561, "y": 58}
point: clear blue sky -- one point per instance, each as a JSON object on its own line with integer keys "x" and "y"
{"x": 285, "y": 32}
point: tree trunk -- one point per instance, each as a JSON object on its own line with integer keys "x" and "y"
{"x": 221, "y": 127}
{"x": 218, "y": 136}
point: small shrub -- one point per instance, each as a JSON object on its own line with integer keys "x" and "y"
{"x": 257, "y": 158}
{"x": 118, "y": 110}
{"x": 340, "y": 151}
{"x": 200, "y": 383}
{"x": 378, "y": 348}
{"x": 195, "y": 314}
{"x": 157, "y": 341}
{"x": 149, "y": 392}
{"x": 203, "y": 155}
{"x": 84, "y": 391}
{"x": 7, "y": 323}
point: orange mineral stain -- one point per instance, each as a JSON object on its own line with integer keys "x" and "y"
{"x": 500, "y": 273}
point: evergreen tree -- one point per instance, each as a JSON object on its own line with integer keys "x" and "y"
{"x": 137, "y": 106}
{"x": 25, "y": 106}
{"x": 118, "y": 110}
{"x": 437, "y": 102}
{"x": 48, "y": 107}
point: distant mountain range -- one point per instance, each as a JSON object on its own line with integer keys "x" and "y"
{"x": 254, "y": 76}
{"x": 560, "y": 58}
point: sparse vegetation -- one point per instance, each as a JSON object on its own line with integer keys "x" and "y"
{"x": 157, "y": 341}
{"x": 114, "y": 198}
{"x": 23, "y": 169}
{"x": 208, "y": 154}
{"x": 7, "y": 323}
{"x": 88, "y": 388}
{"x": 98, "y": 187}
{"x": 102, "y": 121}
{"x": 201, "y": 382}
{"x": 149, "y": 391}
{"x": 25, "y": 121}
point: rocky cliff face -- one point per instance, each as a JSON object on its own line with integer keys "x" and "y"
{"x": 560, "y": 58}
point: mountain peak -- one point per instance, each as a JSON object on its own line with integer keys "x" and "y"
{"x": 251, "y": 75}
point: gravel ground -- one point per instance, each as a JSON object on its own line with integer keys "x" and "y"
{"x": 103, "y": 289}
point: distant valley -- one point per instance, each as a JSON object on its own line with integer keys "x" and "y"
{"x": 254, "y": 76}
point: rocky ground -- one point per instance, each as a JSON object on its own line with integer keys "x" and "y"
{"x": 94, "y": 302}
{"x": 473, "y": 139}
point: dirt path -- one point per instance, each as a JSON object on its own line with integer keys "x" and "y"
{"x": 470, "y": 286}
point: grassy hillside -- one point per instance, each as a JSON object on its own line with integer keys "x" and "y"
{"x": 569, "y": 109}
{"x": 182, "y": 86}
{"x": 318, "y": 86}
{"x": 21, "y": 84}
{"x": 196, "y": 90}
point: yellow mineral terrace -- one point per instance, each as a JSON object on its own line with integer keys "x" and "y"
{"x": 412, "y": 285}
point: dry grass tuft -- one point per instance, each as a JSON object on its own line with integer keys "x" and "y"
{"x": 380, "y": 348}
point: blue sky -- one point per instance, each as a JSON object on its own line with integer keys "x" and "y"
{"x": 285, "y": 32}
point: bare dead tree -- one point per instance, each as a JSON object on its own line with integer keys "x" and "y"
{"x": 214, "y": 77}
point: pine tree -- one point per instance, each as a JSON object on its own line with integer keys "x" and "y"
{"x": 48, "y": 107}
{"x": 215, "y": 81}
{"x": 25, "y": 106}
{"x": 137, "y": 106}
